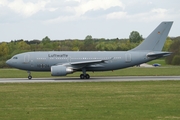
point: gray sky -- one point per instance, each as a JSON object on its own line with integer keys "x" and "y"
{"x": 75, "y": 19}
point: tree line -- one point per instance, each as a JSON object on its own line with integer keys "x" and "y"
{"x": 8, "y": 49}
{"x": 174, "y": 58}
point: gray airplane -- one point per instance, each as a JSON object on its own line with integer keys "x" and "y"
{"x": 61, "y": 63}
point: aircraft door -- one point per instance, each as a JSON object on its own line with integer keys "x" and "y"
{"x": 128, "y": 58}
{"x": 26, "y": 58}
{"x": 32, "y": 64}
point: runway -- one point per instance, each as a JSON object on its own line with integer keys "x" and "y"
{"x": 93, "y": 79}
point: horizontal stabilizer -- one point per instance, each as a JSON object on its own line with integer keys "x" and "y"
{"x": 159, "y": 54}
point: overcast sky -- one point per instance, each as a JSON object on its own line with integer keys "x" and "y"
{"x": 75, "y": 19}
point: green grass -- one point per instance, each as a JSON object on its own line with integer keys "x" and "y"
{"x": 96, "y": 101}
{"x": 133, "y": 71}
{"x": 155, "y": 100}
{"x": 160, "y": 61}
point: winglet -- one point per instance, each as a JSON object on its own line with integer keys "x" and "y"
{"x": 155, "y": 41}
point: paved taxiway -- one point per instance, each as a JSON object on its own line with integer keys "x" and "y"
{"x": 93, "y": 79}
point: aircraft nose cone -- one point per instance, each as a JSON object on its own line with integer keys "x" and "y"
{"x": 8, "y": 62}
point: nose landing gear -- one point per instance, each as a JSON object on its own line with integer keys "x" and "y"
{"x": 29, "y": 76}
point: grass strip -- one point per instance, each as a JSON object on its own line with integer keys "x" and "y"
{"x": 96, "y": 101}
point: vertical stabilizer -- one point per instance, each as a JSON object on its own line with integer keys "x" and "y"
{"x": 155, "y": 41}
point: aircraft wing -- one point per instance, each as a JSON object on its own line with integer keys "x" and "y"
{"x": 83, "y": 64}
{"x": 158, "y": 54}
{"x": 87, "y": 62}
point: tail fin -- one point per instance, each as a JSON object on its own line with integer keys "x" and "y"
{"x": 155, "y": 41}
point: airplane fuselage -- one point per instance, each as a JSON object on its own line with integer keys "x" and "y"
{"x": 42, "y": 61}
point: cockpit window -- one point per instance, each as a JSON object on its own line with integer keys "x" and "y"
{"x": 15, "y": 57}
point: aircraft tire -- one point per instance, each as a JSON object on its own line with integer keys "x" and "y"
{"x": 87, "y": 76}
{"x": 29, "y": 77}
{"x": 82, "y": 76}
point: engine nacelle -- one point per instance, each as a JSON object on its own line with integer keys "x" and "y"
{"x": 60, "y": 70}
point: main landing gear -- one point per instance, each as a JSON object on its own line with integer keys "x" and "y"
{"x": 84, "y": 75}
{"x": 29, "y": 76}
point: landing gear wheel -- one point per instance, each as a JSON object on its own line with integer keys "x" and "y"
{"x": 82, "y": 76}
{"x": 29, "y": 77}
{"x": 87, "y": 76}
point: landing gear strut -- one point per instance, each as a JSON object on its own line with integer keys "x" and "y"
{"x": 29, "y": 76}
{"x": 84, "y": 75}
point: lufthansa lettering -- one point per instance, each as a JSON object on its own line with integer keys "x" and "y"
{"x": 57, "y": 55}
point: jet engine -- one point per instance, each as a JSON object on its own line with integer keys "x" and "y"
{"x": 60, "y": 70}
